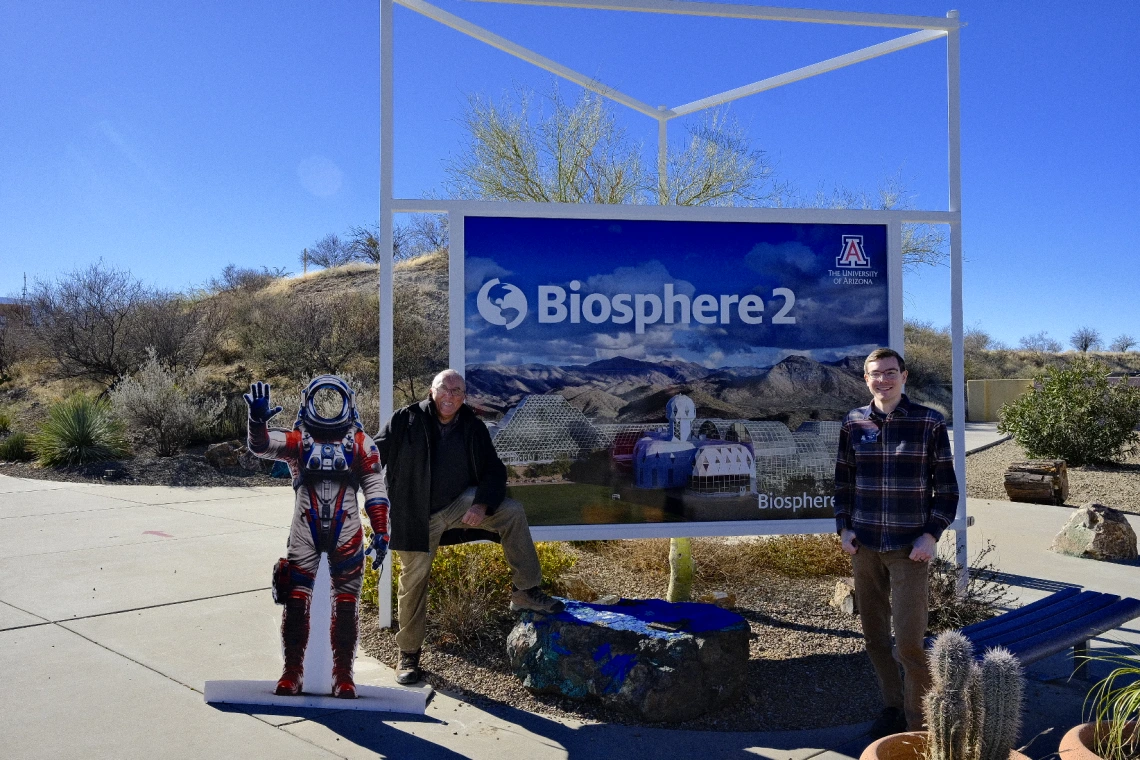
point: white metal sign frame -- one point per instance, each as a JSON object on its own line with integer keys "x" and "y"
{"x": 928, "y": 28}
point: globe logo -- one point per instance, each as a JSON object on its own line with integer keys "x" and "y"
{"x": 501, "y": 304}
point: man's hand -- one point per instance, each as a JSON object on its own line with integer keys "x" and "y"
{"x": 924, "y": 548}
{"x": 258, "y": 402}
{"x": 378, "y": 549}
{"x": 849, "y": 543}
{"x": 475, "y": 515}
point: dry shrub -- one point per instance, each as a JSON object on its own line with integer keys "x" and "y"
{"x": 470, "y": 589}
{"x": 984, "y": 597}
{"x": 792, "y": 556}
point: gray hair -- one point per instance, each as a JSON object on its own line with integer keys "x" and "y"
{"x": 437, "y": 381}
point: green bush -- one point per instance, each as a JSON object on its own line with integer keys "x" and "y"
{"x": 470, "y": 588}
{"x": 79, "y": 430}
{"x": 5, "y": 423}
{"x": 14, "y": 448}
{"x": 1076, "y": 415}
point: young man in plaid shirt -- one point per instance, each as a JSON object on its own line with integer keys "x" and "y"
{"x": 895, "y": 492}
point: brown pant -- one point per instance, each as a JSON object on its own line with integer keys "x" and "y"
{"x": 891, "y": 587}
{"x": 509, "y": 521}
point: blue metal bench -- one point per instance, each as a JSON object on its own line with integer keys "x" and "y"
{"x": 1068, "y": 618}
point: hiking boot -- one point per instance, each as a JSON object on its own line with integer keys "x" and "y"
{"x": 534, "y": 599}
{"x": 891, "y": 720}
{"x": 408, "y": 670}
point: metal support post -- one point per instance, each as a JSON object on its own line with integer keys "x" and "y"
{"x": 386, "y": 262}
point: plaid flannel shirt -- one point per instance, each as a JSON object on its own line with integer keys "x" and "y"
{"x": 894, "y": 476}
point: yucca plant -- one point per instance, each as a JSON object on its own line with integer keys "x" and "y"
{"x": 79, "y": 430}
{"x": 1114, "y": 705}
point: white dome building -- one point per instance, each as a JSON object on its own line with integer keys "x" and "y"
{"x": 676, "y": 458}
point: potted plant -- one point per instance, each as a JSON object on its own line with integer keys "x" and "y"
{"x": 1113, "y": 707}
{"x": 972, "y": 710}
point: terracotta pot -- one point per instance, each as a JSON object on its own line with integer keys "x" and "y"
{"x": 909, "y": 746}
{"x": 1077, "y": 743}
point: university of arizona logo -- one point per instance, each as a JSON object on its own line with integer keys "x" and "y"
{"x": 853, "y": 255}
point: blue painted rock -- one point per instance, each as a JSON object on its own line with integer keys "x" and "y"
{"x": 662, "y": 661}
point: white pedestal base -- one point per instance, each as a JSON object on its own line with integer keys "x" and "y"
{"x": 372, "y": 698}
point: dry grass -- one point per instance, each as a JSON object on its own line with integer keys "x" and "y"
{"x": 728, "y": 562}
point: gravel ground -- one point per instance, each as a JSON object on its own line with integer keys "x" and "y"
{"x": 1115, "y": 486}
{"x": 807, "y": 665}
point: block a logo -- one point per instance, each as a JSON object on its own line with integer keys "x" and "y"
{"x": 502, "y": 304}
{"x": 853, "y": 255}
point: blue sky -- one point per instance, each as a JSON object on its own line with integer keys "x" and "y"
{"x": 173, "y": 138}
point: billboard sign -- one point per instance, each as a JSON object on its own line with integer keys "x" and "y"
{"x": 651, "y": 371}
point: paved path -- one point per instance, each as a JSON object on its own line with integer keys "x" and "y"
{"x": 118, "y": 602}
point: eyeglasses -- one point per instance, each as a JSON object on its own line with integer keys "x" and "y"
{"x": 890, "y": 374}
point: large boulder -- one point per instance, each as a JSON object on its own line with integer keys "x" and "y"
{"x": 662, "y": 661}
{"x": 1097, "y": 532}
{"x": 224, "y": 456}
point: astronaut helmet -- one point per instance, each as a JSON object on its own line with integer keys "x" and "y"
{"x": 328, "y": 408}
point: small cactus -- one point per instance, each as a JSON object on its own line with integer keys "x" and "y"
{"x": 972, "y": 711}
{"x": 946, "y": 705}
{"x": 1002, "y": 688}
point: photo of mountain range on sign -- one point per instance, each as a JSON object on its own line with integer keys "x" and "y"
{"x": 621, "y": 390}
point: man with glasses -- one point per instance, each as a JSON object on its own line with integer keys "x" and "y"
{"x": 895, "y": 492}
{"x": 447, "y": 485}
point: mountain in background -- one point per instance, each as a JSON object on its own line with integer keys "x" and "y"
{"x": 631, "y": 390}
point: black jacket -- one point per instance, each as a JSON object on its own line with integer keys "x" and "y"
{"x": 405, "y": 446}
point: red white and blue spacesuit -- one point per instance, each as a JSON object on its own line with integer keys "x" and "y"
{"x": 330, "y": 458}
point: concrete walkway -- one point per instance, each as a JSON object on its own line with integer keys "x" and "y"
{"x": 118, "y": 602}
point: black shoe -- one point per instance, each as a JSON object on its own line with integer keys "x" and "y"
{"x": 891, "y": 720}
{"x": 408, "y": 670}
{"x": 534, "y": 599}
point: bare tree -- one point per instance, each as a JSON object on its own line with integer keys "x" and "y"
{"x": 1122, "y": 343}
{"x": 364, "y": 243}
{"x": 1040, "y": 343}
{"x": 235, "y": 278}
{"x": 15, "y": 340}
{"x": 329, "y": 251}
{"x": 1085, "y": 339}
{"x": 717, "y": 167}
{"x": 85, "y": 319}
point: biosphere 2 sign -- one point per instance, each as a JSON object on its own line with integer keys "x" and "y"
{"x": 638, "y": 371}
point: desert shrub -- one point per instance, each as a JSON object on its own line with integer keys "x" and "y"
{"x": 5, "y": 423}
{"x": 1075, "y": 414}
{"x": 79, "y": 430}
{"x": 559, "y": 467}
{"x": 301, "y": 337}
{"x": 235, "y": 278}
{"x": 470, "y": 588}
{"x": 164, "y": 407}
{"x": 984, "y": 597}
{"x": 15, "y": 448}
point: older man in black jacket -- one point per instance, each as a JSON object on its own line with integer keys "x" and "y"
{"x": 446, "y": 484}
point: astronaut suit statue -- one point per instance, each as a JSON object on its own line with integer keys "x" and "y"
{"x": 330, "y": 458}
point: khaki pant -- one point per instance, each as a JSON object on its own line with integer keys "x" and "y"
{"x": 891, "y": 587}
{"x": 509, "y": 521}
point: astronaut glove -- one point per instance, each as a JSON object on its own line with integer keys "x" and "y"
{"x": 258, "y": 402}
{"x": 378, "y": 549}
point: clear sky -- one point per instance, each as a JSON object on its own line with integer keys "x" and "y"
{"x": 173, "y": 138}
